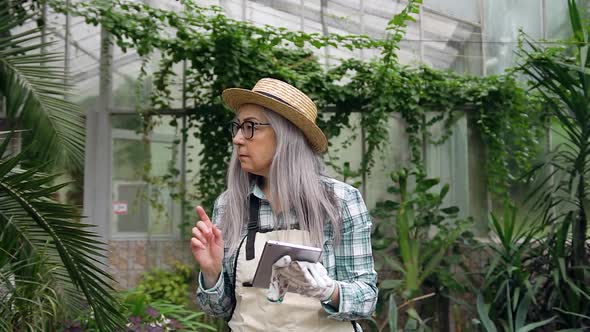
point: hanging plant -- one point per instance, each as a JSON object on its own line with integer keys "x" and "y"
{"x": 221, "y": 52}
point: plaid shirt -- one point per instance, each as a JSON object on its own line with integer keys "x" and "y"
{"x": 351, "y": 262}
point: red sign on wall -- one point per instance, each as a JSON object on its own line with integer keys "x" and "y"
{"x": 120, "y": 207}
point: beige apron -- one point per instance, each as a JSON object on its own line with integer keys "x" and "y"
{"x": 253, "y": 312}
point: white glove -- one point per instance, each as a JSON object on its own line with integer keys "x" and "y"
{"x": 308, "y": 279}
{"x": 278, "y": 286}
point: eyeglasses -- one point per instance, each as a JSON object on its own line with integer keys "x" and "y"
{"x": 248, "y": 128}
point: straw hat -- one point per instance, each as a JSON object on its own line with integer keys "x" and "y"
{"x": 284, "y": 99}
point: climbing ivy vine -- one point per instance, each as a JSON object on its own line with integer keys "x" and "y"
{"x": 221, "y": 52}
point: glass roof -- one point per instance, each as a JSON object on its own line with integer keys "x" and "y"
{"x": 447, "y": 34}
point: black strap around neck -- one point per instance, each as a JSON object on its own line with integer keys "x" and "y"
{"x": 253, "y": 226}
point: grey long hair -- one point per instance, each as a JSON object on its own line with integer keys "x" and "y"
{"x": 295, "y": 186}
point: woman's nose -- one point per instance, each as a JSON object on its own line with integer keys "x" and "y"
{"x": 239, "y": 138}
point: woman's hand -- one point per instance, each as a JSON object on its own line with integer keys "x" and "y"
{"x": 207, "y": 247}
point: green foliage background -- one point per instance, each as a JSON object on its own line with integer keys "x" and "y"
{"x": 221, "y": 52}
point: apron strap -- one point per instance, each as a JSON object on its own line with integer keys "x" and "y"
{"x": 253, "y": 226}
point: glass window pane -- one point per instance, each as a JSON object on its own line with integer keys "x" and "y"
{"x": 557, "y": 20}
{"x": 129, "y": 156}
{"x": 501, "y": 31}
{"x": 142, "y": 208}
{"x": 134, "y": 196}
{"x": 451, "y": 44}
{"x": 126, "y": 121}
{"x": 449, "y": 162}
{"x": 394, "y": 155}
{"x": 464, "y": 10}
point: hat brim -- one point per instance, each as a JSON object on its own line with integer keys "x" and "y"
{"x": 236, "y": 97}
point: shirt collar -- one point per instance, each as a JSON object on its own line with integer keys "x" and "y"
{"x": 256, "y": 190}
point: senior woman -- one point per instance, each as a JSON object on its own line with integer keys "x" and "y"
{"x": 276, "y": 190}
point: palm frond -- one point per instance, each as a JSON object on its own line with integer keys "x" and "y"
{"x": 33, "y": 84}
{"x": 44, "y": 226}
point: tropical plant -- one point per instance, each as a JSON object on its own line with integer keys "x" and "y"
{"x": 48, "y": 262}
{"x": 35, "y": 89}
{"x": 145, "y": 314}
{"x": 511, "y": 280}
{"x": 510, "y": 248}
{"x": 46, "y": 258}
{"x": 171, "y": 286}
{"x": 562, "y": 76}
{"x": 516, "y": 313}
{"x": 26, "y": 286}
{"x": 415, "y": 238}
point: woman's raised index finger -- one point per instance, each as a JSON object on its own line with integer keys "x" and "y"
{"x": 202, "y": 214}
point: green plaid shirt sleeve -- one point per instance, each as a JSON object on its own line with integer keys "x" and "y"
{"x": 351, "y": 262}
{"x": 219, "y": 299}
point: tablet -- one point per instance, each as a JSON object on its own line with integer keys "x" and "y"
{"x": 273, "y": 250}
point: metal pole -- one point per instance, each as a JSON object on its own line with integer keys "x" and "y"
{"x": 543, "y": 18}
{"x": 323, "y": 7}
{"x": 184, "y": 134}
{"x": 363, "y": 133}
{"x": 421, "y": 27}
{"x": 482, "y": 27}
{"x": 97, "y": 168}
{"x": 67, "y": 46}
{"x": 484, "y": 72}
{"x": 362, "y": 21}
{"x": 548, "y": 130}
{"x": 421, "y": 54}
{"x": 44, "y": 29}
{"x": 302, "y": 15}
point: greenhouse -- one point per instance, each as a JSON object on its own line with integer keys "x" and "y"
{"x": 459, "y": 127}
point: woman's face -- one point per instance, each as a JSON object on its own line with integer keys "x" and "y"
{"x": 255, "y": 154}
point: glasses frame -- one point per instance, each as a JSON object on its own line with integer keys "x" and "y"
{"x": 239, "y": 126}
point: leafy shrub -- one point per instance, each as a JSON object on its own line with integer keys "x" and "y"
{"x": 144, "y": 314}
{"x": 159, "y": 303}
{"x": 419, "y": 240}
{"x": 160, "y": 315}
{"x": 170, "y": 286}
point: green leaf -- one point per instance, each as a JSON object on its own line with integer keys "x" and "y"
{"x": 426, "y": 184}
{"x": 299, "y": 42}
{"x": 390, "y": 284}
{"x": 450, "y": 210}
{"x": 532, "y": 326}
{"x": 316, "y": 43}
{"x": 394, "y": 263}
{"x": 444, "y": 190}
{"x": 32, "y": 83}
{"x": 483, "y": 315}
{"x": 572, "y": 313}
{"x": 522, "y": 312}
{"x": 413, "y": 314}
{"x": 392, "y": 314}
